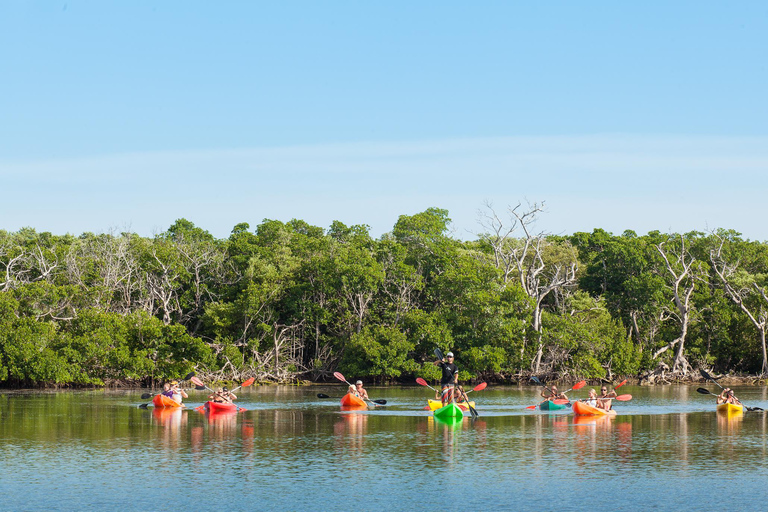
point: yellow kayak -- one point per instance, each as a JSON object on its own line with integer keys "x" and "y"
{"x": 730, "y": 409}
{"x": 436, "y": 404}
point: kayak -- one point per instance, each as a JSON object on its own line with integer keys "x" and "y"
{"x": 449, "y": 411}
{"x": 164, "y": 401}
{"x": 220, "y": 407}
{"x": 436, "y": 404}
{"x": 582, "y": 409}
{"x": 730, "y": 409}
{"x": 350, "y": 400}
{"x": 549, "y": 405}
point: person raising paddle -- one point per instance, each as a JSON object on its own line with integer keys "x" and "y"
{"x": 727, "y": 397}
{"x": 449, "y": 379}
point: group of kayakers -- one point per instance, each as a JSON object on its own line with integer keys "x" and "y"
{"x": 601, "y": 402}
{"x": 450, "y": 390}
{"x": 173, "y": 391}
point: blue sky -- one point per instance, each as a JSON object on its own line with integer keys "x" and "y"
{"x": 129, "y": 115}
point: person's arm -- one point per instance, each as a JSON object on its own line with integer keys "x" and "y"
{"x": 612, "y": 394}
{"x": 545, "y": 393}
{"x": 183, "y": 393}
{"x": 233, "y": 396}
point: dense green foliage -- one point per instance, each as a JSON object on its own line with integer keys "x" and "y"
{"x": 291, "y": 300}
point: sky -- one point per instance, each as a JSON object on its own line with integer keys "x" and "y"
{"x": 616, "y": 115}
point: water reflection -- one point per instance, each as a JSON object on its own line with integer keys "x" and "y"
{"x": 350, "y": 432}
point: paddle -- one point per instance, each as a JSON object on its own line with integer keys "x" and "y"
{"x": 323, "y": 395}
{"x": 422, "y": 382}
{"x": 198, "y": 382}
{"x": 150, "y": 395}
{"x": 339, "y": 376}
{"x": 472, "y": 410}
{"x": 244, "y": 384}
{"x": 708, "y": 392}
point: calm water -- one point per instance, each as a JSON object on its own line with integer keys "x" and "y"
{"x": 667, "y": 449}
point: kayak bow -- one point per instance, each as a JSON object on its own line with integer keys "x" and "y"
{"x": 582, "y": 409}
{"x": 164, "y": 401}
{"x": 350, "y": 400}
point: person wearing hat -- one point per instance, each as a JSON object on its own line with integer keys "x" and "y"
{"x": 450, "y": 378}
{"x": 357, "y": 389}
{"x": 177, "y": 393}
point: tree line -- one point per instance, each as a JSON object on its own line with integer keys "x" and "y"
{"x": 288, "y": 301}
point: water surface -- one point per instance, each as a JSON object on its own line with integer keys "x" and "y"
{"x": 95, "y": 450}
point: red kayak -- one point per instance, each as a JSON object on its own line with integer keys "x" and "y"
{"x": 350, "y": 400}
{"x": 220, "y": 407}
{"x": 164, "y": 401}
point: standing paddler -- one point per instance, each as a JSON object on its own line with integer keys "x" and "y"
{"x": 449, "y": 379}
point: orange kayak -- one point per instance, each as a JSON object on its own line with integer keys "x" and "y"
{"x": 582, "y": 409}
{"x": 350, "y": 400}
{"x": 164, "y": 401}
{"x": 220, "y": 407}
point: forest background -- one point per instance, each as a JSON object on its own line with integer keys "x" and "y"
{"x": 286, "y": 302}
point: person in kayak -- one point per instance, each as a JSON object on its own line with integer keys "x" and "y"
{"x": 592, "y": 399}
{"x": 177, "y": 393}
{"x": 359, "y": 391}
{"x": 450, "y": 378}
{"x": 167, "y": 390}
{"x": 605, "y": 398}
{"x": 222, "y": 395}
{"x": 727, "y": 397}
{"x": 553, "y": 394}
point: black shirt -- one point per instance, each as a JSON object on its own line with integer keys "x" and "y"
{"x": 449, "y": 370}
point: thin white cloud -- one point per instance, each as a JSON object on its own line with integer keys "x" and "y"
{"x": 615, "y": 182}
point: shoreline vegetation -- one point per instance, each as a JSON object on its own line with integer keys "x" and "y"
{"x": 292, "y": 303}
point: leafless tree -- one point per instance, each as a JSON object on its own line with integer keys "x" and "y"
{"x": 523, "y": 259}
{"x": 682, "y": 269}
{"x": 749, "y": 296}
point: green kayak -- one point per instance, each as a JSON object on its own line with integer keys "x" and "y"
{"x": 449, "y": 411}
{"x": 549, "y": 405}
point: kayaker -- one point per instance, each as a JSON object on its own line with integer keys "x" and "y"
{"x": 592, "y": 399}
{"x": 727, "y": 397}
{"x": 177, "y": 393}
{"x": 222, "y": 395}
{"x": 553, "y": 394}
{"x": 604, "y": 400}
{"x": 449, "y": 379}
{"x": 217, "y": 396}
{"x": 359, "y": 391}
{"x": 167, "y": 390}
{"x": 228, "y": 395}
